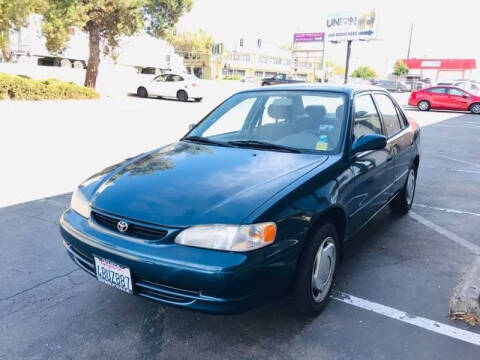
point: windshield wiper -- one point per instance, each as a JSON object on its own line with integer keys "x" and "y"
{"x": 263, "y": 145}
{"x": 204, "y": 140}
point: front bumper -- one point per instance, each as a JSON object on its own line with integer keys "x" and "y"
{"x": 194, "y": 278}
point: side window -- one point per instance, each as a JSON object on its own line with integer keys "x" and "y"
{"x": 161, "y": 78}
{"x": 389, "y": 114}
{"x": 233, "y": 120}
{"x": 366, "y": 119}
{"x": 438, "y": 90}
{"x": 176, "y": 78}
{"x": 456, "y": 92}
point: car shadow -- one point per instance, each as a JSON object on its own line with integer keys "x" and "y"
{"x": 133, "y": 95}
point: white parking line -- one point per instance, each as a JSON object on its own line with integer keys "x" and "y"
{"x": 453, "y": 159}
{"x": 459, "y": 126}
{"x": 418, "y": 321}
{"x": 448, "y": 234}
{"x": 453, "y": 211}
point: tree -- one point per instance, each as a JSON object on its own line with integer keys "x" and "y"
{"x": 364, "y": 72}
{"x": 14, "y": 14}
{"x": 334, "y": 69}
{"x": 106, "y": 21}
{"x": 400, "y": 68}
{"x": 191, "y": 44}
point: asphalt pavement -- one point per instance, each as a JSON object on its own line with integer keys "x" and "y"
{"x": 391, "y": 293}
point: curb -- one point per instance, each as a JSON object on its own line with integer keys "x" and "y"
{"x": 465, "y": 301}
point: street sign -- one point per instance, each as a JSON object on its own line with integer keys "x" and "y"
{"x": 352, "y": 25}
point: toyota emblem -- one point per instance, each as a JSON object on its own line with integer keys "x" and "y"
{"x": 122, "y": 226}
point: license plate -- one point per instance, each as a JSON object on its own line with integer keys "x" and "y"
{"x": 113, "y": 274}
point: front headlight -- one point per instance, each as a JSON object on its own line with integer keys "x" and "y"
{"x": 79, "y": 203}
{"x": 229, "y": 237}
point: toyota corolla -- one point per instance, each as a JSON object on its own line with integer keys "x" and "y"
{"x": 255, "y": 201}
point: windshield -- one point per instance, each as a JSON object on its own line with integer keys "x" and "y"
{"x": 302, "y": 120}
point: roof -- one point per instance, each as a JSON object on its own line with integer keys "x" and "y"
{"x": 346, "y": 89}
{"x": 441, "y": 64}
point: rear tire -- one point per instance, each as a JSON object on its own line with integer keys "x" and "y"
{"x": 475, "y": 108}
{"x": 265, "y": 84}
{"x": 423, "y": 105}
{"x": 142, "y": 92}
{"x": 315, "y": 272}
{"x": 402, "y": 203}
{"x": 182, "y": 96}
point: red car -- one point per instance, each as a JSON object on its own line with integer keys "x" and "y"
{"x": 445, "y": 98}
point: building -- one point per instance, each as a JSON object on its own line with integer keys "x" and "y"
{"x": 441, "y": 69}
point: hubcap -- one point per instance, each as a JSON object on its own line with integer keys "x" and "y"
{"x": 423, "y": 105}
{"x": 476, "y": 108}
{"x": 323, "y": 269}
{"x": 410, "y": 186}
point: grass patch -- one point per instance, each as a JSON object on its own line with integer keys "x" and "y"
{"x": 23, "y": 88}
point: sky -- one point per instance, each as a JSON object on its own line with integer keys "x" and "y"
{"x": 441, "y": 29}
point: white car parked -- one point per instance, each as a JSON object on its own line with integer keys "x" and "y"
{"x": 182, "y": 87}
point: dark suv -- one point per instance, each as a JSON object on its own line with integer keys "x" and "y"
{"x": 281, "y": 79}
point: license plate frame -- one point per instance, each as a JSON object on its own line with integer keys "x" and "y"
{"x": 113, "y": 274}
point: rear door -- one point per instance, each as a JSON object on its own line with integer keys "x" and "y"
{"x": 177, "y": 83}
{"x": 458, "y": 99}
{"x": 373, "y": 170}
{"x": 399, "y": 138}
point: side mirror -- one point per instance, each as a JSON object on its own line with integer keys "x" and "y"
{"x": 191, "y": 126}
{"x": 369, "y": 142}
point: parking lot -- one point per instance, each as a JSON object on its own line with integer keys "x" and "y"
{"x": 392, "y": 291}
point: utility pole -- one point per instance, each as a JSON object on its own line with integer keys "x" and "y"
{"x": 410, "y": 41}
{"x": 349, "y": 47}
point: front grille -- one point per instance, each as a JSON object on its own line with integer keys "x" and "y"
{"x": 134, "y": 229}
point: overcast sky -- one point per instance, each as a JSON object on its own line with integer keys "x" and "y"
{"x": 442, "y": 29}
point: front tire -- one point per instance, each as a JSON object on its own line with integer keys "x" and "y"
{"x": 265, "y": 84}
{"x": 142, "y": 92}
{"x": 423, "y": 105}
{"x": 198, "y": 99}
{"x": 182, "y": 96}
{"x": 316, "y": 271}
{"x": 402, "y": 203}
{"x": 475, "y": 108}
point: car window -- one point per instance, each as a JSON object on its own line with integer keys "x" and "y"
{"x": 456, "y": 92}
{"x": 389, "y": 114}
{"x": 161, "y": 78}
{"x": 304, "y": 120}
{"x": 366, "y": 119}
{"x": 176, "y": 78}
{"x": 438, "y": 90}
{"x": 232, "y": 120}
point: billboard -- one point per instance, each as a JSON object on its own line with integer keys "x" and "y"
{"x": 308, "y": 37}
{"x": 352, "y": 25}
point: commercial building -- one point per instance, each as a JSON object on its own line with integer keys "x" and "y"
{"x": 441, "y": 69}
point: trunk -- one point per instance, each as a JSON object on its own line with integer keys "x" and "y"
{"x": 94, "y": 55}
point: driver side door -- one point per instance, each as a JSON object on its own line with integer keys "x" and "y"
{"x": 158, "y": 85}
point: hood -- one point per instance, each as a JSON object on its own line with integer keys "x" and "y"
{"x": 185, "y": 184}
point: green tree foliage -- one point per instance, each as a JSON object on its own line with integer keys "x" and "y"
{"x": 106, "y": 21}
{"x": 334, "y": 69}
{"x": 400, "y": 68}
{"x": 191, "y": 43}
{"x": 14, "y": 14}
{"x": 364, "y": 72}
